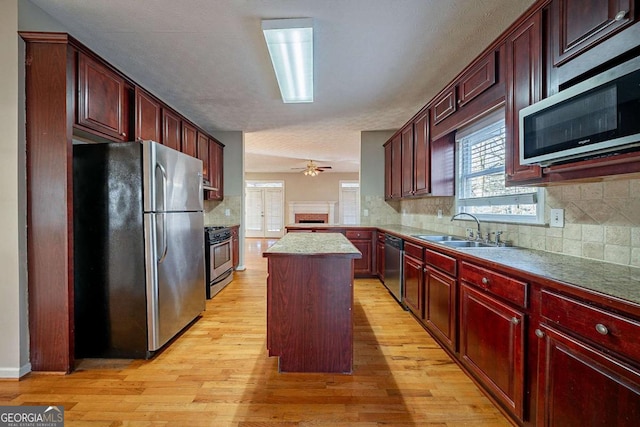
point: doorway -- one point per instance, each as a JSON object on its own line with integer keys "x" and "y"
{"x": 264, "y": 209}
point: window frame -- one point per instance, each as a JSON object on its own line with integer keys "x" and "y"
{"x": 537, "y": 195}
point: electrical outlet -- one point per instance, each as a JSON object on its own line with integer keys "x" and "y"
{"x": 366, "y": 212}
{"x": 227, "y": 212}
{"x": 439, "y": 213}
{"x": 557, "y": 218}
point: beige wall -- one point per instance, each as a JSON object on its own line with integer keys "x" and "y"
{"x": 301, "y": 188}
{"x": 13, "y": 337}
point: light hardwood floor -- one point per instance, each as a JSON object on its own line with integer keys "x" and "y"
{"x": 217, "y": 373}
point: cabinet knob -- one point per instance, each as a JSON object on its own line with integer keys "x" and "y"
{"x": 485, "y": 281}
{"x": 424, "y": 269}
{"x": 539, "y": 333}
{"x": 123, "y": 134}
{"x": 620, "y": 15}
{"x": 602, "y": 329}
{"x": 515, "y": 320}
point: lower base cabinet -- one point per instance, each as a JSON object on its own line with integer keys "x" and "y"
{"x": 546, "y": 357}
{"x": 440, "y": 306}
{"x": 492, "y": 336}
{"x": 579, "y": 385}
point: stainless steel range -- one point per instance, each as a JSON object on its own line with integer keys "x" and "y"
{"x": 218, "y": 258}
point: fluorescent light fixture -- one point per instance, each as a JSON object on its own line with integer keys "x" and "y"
{"x": 290, "y": 43}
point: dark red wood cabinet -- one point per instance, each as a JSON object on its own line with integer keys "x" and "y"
{"x": 103, "y": 100}
{"x": 203, "y": 153}
{"x": 581, "y": 385}
{"x": 148, "y": 117}
{"x": 388, "y": 157}
{"x": 379, "y": 262}
{"x": 216, "y": 168}
{"x": 362, "y": 239}
{"x": 171, "y": 131}
{"x": 406, "y": 137}
{"x": 396, "y": 167}
{"x": 477, "y": 90}
{"x": 413, "y": 270}
{"x": 524, "y": 87}
{"x": 421, "y": 155}
{"x": 492, "y": 345}
{"x": 235, "y": 246}
{"x": 578, "y": 25}
{"x": 440, "y": 296}
{"x": 189, "y": 139}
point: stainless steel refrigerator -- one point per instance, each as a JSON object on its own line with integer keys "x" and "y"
{"x": 139, "y": 274}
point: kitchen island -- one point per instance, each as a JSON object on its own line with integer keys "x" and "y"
{"x": 310, "y": 302}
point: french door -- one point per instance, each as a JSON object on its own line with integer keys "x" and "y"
{"x": 264, "y": 209}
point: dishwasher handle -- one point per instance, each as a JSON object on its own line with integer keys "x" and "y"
{"x": 394, "y": 241}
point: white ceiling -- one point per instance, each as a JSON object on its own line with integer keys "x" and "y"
{"x": 377, "y": 62}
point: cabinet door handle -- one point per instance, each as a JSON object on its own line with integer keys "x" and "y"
{"x": 485, "y": 281}
{"x": 515, "y": 320}
{"x": 539, "y": 333}
{"x": 620, "y": 15}
{"x": 602, "y": 329}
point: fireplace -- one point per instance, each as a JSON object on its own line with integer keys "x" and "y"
{"x": 311, "y": 218}
{"x": 312, "y": 212}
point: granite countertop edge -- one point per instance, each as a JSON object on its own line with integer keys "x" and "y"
{"x": 313, "y": 244}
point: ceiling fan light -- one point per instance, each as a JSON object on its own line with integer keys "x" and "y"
{"x": 290, "y": 44}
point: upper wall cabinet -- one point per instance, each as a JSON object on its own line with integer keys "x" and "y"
{"x": 406, "y": 136}
{"x": 478, "y": 89}
{"x": 189, "y": 139}
{"x": 586, "y": 36}
{"x": 203, "y": 154}
{"x": 216, "y": 165}
{"x": 103, "y": 100}
{"x": 393, "y": 167}
{"x": 421, "y": 155}
{"x": 148, "y": 126}
{"x": 524, "y": 87}
{"x": 581, "y": 24}
{"x": 171, "y": 130}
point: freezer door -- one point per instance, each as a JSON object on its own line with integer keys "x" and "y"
{"x": 175, "y": 273}
{"x": 172, "y": 180}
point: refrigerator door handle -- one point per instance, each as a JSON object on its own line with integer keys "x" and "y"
{"x": 163, "y": 173}
{"x": 165, "y": 248}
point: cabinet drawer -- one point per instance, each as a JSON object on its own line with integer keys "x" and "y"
{"x": 413, "y": 250}
{"x": 441, "y": 262}
{"x": 500, "y": 285}
{"x": 359, "y": 234}
{"x": 610, "y": 330}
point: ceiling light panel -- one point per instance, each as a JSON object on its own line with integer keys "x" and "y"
{"x": 290, "y": 44}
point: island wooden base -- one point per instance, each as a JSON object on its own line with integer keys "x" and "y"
{"x": 309, "y": 312}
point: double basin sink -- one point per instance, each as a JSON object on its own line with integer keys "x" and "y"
{"x": 455, "y": 242}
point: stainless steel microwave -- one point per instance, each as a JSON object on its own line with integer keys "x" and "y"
{"x": 597, "y": 117}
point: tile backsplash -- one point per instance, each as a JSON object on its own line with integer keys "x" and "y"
{"x": 602, "y": 220}
{"x": 215, "y": 211}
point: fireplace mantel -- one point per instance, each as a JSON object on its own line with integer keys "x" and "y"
{"x": 313, "y": 207}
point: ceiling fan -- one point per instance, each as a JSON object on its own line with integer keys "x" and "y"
{"x": 312, "y": 169}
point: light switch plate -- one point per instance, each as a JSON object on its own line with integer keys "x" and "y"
{"x": 557, "y": 218}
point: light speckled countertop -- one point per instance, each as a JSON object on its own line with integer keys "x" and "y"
{"x": 313, "y": 244}
{"x": 614, "y": 280}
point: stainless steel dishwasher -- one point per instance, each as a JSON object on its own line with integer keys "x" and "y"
{"x": 393, "y": 252}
